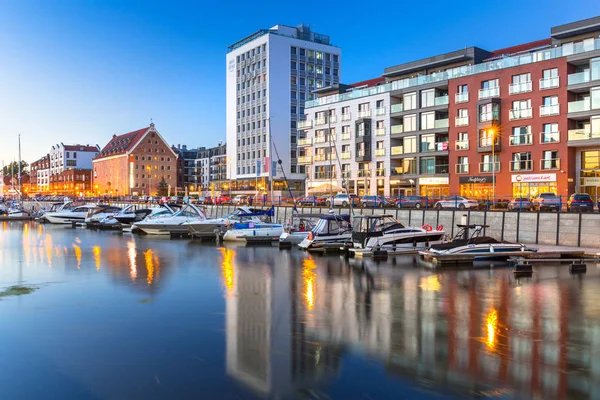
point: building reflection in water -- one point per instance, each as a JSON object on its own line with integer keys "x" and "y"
{"x": 227, "y": 269}
{"x": 131, "y": 256}
{"x": 267, "y": 346}
{"x": 97, "y": 259}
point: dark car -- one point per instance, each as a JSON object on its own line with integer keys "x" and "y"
{"x": 376, "y": 201}
{"x": 546, "y": 201}
{"x": 413, "y": 202}
{"x": 580, "y": 202}
{"x": 308, "y": 201}
{"x": 520, "y": 204}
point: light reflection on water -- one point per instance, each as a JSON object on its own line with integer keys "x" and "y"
{"x": 198, "y": 317}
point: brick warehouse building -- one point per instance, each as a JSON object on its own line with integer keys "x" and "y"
{"x": 134, "y": 164}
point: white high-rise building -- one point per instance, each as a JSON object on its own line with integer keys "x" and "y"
{"x": 270, "y": 74}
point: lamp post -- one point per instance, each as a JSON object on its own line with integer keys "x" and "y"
{"x": 492, "y": 133}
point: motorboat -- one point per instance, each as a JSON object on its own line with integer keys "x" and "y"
{"x": 470, "y": 242}
{"x": 331, "y": 232}
{"x": 68, "y": 216}
{"x": 385, "y": 233}
{"x": 99, "y": 213}
{"x": 55, "y": 207}
{"x": 171, "y": 224}
{"x": 246, "y": 230}
{"x": 211, "y": 227}
{"x": 297, "y": 229}
{"x": 15, "y": 211}
{"x": 129, "y": 215}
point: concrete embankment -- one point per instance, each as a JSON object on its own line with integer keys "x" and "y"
{"x": 564, "y": 229}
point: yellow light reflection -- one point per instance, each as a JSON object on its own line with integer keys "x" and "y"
{"x": 26, "y": 243}
{"x": 309, "y": 275}
{"x": 131, "y": 253}
{"x": 149, "y": 266}
{"x": 48, "y": 246}
{"x": 491, "y": 321}
{"x": 430, "y": 283}
{"x": 96, "y": 250}
{"x": 227, "y": 268}
{"x": 77, "y": 240}
{"x": 77, "y": 255}
{"x": 40, "y": 229}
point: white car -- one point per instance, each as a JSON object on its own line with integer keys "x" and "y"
{"x": 240, "y": 199}
{"x": 459, "y": 202}
{"x": 343, "y": 200}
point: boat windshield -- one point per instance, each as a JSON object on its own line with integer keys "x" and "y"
{"x": 188, "y": 211}
{"x": 376, "y": 224}
{"x": 331, "y": 226}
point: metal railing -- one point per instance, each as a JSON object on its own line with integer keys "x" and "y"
{"x": 520, "y": 140}
{"x": 579, "y": 106}
{"x": 489, "y": 92}
{"x": 549, "y": 137}
{"x": 461, "y": 145}
{"x": 320, "y": 157}
{"x": 519, "y": 87}
{"x": 578, "y": 78}
{"x": 346, "y": 117}
{"x": 549, "y": 83}
{"x": 397, "y": 129}
{"x": 380, "y": 152}
{"x": 461, "y": 168}
{"x": 521, "y": 165}
{"x": 397, "y": 150}
{"x": 380, "y": 132}
{"x": 346, "y": 136}
{"x": 363, "y": 173}
{"x": 550, "y": 163}
{"x": 461, "y": 121}
{"x": 520, "y": 113}
{"x": 488, "y": 167}
{"x": 306, "y": 124}
{"x": 380, "y": 111}
{"x": 364, "y": 113}
{"x": 346, "y": 155}
{"x": 305, "y": 142}
{"x": 440, "y": 100}
{"x": 461, "y": 97}
{"x": 441, "y": 123}
{"x": 582, "y": 134}
{"x": 550, "y": 109}
{"x": 397, "y": 108}
{"x": 304, "y": 159}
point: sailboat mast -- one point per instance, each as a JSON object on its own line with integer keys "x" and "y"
{"x": 270, "y": 167}
{"x": 20, "y": 196}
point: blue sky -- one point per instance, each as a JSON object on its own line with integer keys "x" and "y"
{"x": 79, "y": 71}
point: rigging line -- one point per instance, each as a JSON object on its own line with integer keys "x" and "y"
{"x": 344, "y": 180}
{"x": 284, "y": 177}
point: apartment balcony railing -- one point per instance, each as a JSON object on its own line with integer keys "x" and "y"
{"x": 332, "y": 119}
{"x": 489, "y": 93}
{"x": 441, "y": 123}
{"x": 441, "y": 100}
{"x": 549, "y": 83}
{"x": 397, "y": 129}
{"x": 304, "y": 159}
{"x": 519, "y": 87}
{"x": 520, "y": 113}
{"x": 461, "y": 145}
{"x": 488, "y": 167}
{"x": 461, "y": 121}
{"x": 520, "y": 140}
{"x": 364, "y": 113}
{"x": 320, "y": 139}
{"x": 524, "y": 165}
{"x": 549, "y": 137}
{"x": 397, "y": 108}
{"x": 364, "y": 173}
{"x": 307, "y": 124}
{"x": 380, "y": 111}
{"x": 305, "y": 142}
{"x": 332, "y": 157}
{"x": 361, "y": 153}
{"x": 346, "y": 117}
{"x": 325, "y": 175}
{"x": 380, "y": 132}
{"x": 320, "y": 121}
{"x": 380, "y": 152}
{"x": 462, "y": 97}
{"x": 551, "y": 109}
{"x": 579, "y": 106}
{"x": 427, "y": 147}
{"x": 461, "y": 168}
{"x": 434, "y": 169}
{"x": 582, "y": 134}
{"x": 578, "y": 78}
{"x": 346, "y": 136}
{"x": 320, "y": 157}
{"x": 550, "y": 163}
{"x": 397, "y": 150}
{"x": 402, "y": 171}
{"x": 346, "y": 155}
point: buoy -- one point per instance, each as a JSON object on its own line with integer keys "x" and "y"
{"x": 427, "y": 227}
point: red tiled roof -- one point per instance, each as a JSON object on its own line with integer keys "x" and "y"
{"x": 121, "y": 144}
{"x": 78, "y": 147}
{"x": 520, "y": 48}
{"x": 368, "y": 82}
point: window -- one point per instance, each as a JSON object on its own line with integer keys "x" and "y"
{"x": 410, "y": 123}
{"x": 428, "y": 98}
{"x": 549, "y": 79}
{"x": 549, "y": 106}
{"x": 463, "y": 141}
{"x": 521, "y": 135}
{"x": 427, "y": 143}
{"x": 294, "y": 50}
{"x": 486, "y": 136}
{"x": 293, "y": 79}
{"x": 549, "y": 133}
{"x": 550, "y": 160}
{"x": 462, "y": 119}
{"x": 335, "y": 72}
{"x": 427, "y": 120}
{"x": 302, "y": 67}
{"x": 409, "y": 144}
{"x": 521, "y": 162}
{"x": 410, "y": 101}
{"x": 489, "y": 112}
{"x": 489, "y": 89}
{"x": 489, "y": 163}
{"x": 520, "y": 109}
{"x": 520, "y": 83}
{"x": 336, "y": 58}
{"x": 302, "y": 81}
{"x": 293, "y": 95}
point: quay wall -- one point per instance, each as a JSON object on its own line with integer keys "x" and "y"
{"x": 547, "y": 228}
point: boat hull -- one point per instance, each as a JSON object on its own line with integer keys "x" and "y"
{"x": 253, "y": 234}
{"x": 162, "y": 229}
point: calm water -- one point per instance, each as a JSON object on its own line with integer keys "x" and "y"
{"x": 129, "y": 317}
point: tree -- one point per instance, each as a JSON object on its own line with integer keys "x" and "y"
{"x": 163, "y": 188}
{"x": 15, "y": 168}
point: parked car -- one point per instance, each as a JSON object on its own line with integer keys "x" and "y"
{"x": 413, "y": 202}
{"x": 222, "y": 199}
{"x": 546, "y": 201}
{"x": 456, "y": 202}
{"x": 307, "y": 201}
{"x": 520, "y": 203}
{"x": 376, "y": 201}
{"x": 580, "y": 202}
{"x": 343, "y": 200}
{"x": 204, "y": 200}
{"x": 240, "y": 199}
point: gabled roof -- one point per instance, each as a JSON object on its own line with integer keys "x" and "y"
{"x": 79, "y": 147}
{"x": 121, "y": 144}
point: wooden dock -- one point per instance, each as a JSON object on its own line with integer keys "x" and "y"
{"x": 6, "y": 218}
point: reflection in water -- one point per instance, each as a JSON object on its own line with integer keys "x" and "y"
{"x": 48, "y": 247}
{"x": 96, "y": 250}
{"x": 131, "y": 253}
{"x": 148, "y": 256}
{"x": 227, "y": 268}
{"x": 309, "y": 275}
{"x": 26, "y": 243}
{"x": 491, "y": 327}
{"x": 431, "y": 282}
{"x": 77, "y": 250}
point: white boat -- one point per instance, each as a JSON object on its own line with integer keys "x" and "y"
{"x": 384, "y": 232}
{"x": 16, "y": 212}
{"x": 100, "y": 212}
{"x": 253, "y": 232}
{"x": 209, "y": 228}
{"x": 331, "y": 232}
{"x": 76, "y": 214}
{"x": 66, "y": 205}
{"x": 171, "y": 224}
{"x": 298, "y": 229}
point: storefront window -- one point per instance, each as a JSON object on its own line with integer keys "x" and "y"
{"x": 532, "y": 189}
{"x": 476, "y": 190}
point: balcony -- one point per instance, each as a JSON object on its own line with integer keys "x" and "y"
{"x": 549, "y": 83}
{"x": 380, "y": 111}
{"x": 489, "y": 116}
{"x": 489, "y": 93}
{"x": 578, "y": 78}
{"x": 305, "y": 142}
{"x": 304, "y": 159}
{"x": 364, "y": 113}
{"x": 520, "y": 140}
{"x": 331, "y": 157}
{"x": 434, "y": 169}
{"x": 397, "y": 150}
{"x": 519, "y": 87}
{"x": 579, "y": 106}
{"x": 583, "y": 134}
{"x": 549, "y": 137}
{"x": 461, "y": 168}
{"x": 461, "y": 145}
{"x": 320, "y": 139}
{"x": 402, "y": 171}
{"x": 380, "y": 132}
{"x": 346, "y": 136}
{"x": 325, "y": 175}
{"x": 397, "y": 129}
{"x": 550, "y": 163}
{"x": 523, "y": 165}
{"x": 520, "y": 113}
{"x": 551, "y": 109}
{"x": 320, "y": 157}
{"x": 441, "y": 123}
{"x": 379, "y": 152}
{"x": 345, "y": 155}
{"x": 428, "y": 147}
{"x": 396, "y": 108}
{"x": 346, "y": 117}
{"x": 440, "y": 100}
{"x": 488, "y": 167}
{"x": 461, "y": 121}
{"x": 320, "y": 121}
{"x": 363, "y": 156}
{"x": 307, "y": 124}
{"x": 332, "y": 119}
{"x": 364, "y": 173}
{"x": 461, "y": 97}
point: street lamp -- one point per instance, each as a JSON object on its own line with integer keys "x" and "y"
{"x": 492, "y": 133}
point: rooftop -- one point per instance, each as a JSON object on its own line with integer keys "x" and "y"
{"x": 300, "y": 32}
{"x": 121, "y": 144}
